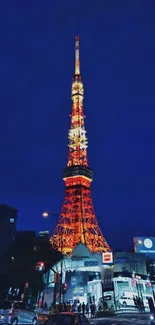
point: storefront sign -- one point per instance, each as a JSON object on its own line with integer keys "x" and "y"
{"x": 107, "y": 258}
{"x": 120, "y": 260}
{"x": 91, "y": 263}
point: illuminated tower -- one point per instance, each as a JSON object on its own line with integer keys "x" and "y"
{"x": 77, "y": 222}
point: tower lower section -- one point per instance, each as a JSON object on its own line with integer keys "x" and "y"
{"x": 77, "y": 222}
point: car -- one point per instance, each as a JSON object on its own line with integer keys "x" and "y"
{"x": 152, "y": 318}
{"x": 128, "y": 301}
{"x": 108, "y": 300}
{"x": 16, "y": 312}
{"x": 68, "y": 318}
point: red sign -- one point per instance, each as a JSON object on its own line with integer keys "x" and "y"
{"x": 133, "y": 282}
{"x": 107, "y": 258}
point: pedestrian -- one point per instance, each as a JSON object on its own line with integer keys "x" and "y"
{"x": 92, "y": 309}
{"x": 83, "y": 308}
{"x": 79, "y": 308}
{"x": 87, "y": 309}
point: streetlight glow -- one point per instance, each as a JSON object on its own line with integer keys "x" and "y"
{"x": 45, "y": 214}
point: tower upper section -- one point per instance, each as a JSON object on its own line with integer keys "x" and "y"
{"x": 77, "y": 135}
{"x": 77, "y": 56}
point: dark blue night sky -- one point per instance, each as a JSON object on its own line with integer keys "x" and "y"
{"x": 117, "y": 50}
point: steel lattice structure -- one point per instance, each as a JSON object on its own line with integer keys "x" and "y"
{"x": 77, "y": 222}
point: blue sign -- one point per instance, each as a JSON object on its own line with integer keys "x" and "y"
{"x": 120, "y": 260}
{"x": 145, "y": 245}
{"x": 91, "y": 263}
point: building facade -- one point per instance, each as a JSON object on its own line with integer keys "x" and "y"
{"x": 146, "y": 247}
{"x": 8, "y": 220}
{"x": 131, "y": 279}
{"x": 81, "y": 268}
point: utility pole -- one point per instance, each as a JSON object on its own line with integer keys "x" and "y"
{"x": 46, "y": 215}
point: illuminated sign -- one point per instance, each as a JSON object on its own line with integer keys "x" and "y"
{"x": 120, "y": 260}
{"x": 145, "y": 245}
{"x": 107, "y": 258}
{"x": 133, "y": 282}
{"x": 148, "y": 243}
{"x": 91, "y": 263}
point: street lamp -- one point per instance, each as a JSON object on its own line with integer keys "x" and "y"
{"x": 46, "y": 214}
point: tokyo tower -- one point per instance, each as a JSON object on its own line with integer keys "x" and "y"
{"x": 77, "y": 222}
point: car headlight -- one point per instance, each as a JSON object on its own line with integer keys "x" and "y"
{"x": 151, "y": 317}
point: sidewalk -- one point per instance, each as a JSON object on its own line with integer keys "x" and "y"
{"x": 119, "y": 312}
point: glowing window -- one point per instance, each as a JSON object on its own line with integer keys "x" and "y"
{"x": 12, "y": 220}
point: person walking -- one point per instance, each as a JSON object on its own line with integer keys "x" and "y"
{"x": 83, "y": 308}
{"x": 87, "y": 309}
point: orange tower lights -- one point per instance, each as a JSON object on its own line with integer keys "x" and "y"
{"x": 77, "y": 222}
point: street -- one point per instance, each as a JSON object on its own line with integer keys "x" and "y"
{"x": 123, "y": 320}
{"x": 120, "y": 319}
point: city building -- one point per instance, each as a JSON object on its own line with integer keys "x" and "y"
{"x": 81, "y": 273}
{"x": 8, "y": 220}
{"x": 18, "y": 267}
{"x": 131, "y": 279}
{"x": 146, "y": 246}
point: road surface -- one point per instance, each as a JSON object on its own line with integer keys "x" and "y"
{"x": 127, "y": 319}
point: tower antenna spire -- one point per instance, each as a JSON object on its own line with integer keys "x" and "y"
{"x": 77, "y": 56}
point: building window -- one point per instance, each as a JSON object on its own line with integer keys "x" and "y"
{"x": 12, "y": 220}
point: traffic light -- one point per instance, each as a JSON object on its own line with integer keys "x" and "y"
{"x": 40, "y": 266}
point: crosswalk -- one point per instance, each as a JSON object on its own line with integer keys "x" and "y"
{"x": 134, "y": 320}
{"x": 122, "y": 320}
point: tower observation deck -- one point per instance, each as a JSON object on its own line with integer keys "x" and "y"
{"x": 77, "y": 222}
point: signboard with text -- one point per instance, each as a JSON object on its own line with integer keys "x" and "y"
{"x": 107, "y": 258}
{"x": 129, "y": 262}
{"x": 145, "y": 245}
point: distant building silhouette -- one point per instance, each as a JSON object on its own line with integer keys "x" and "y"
{"x": 18, "y": 265}
{"x": 8, "y": 220}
